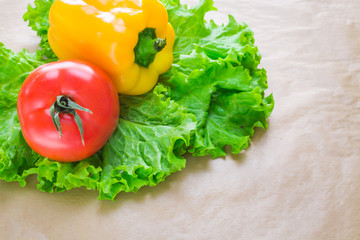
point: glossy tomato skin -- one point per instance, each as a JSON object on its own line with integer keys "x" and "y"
{"x": 85, "y": 84}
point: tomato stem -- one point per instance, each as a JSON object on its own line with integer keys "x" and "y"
{"x": 64, "y": 104}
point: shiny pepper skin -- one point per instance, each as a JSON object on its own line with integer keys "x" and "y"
{"x": 105, "y": 33}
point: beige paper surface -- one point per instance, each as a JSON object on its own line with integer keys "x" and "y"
{"x": 300, "y": 179}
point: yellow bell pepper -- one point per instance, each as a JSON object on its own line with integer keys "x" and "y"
{"x": 131, "y": 40}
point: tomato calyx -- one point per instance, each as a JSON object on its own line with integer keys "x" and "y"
{"x": 65, "y": 105}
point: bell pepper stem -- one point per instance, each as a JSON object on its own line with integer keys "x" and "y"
{"x": 147, "y": 47}
{"x": 65, "y": 105}
{"x": 159, "y": 44}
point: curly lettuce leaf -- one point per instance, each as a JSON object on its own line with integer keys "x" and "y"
{"x": 215, "y": 76}
{"x": 234, "y": 41}
{"x": 189, "y": 24}
{"x": 227, "y": 100}
{"x": 148, "y": 144}
{"x": 38, "y": 18}
{"x": 15, "y": 156}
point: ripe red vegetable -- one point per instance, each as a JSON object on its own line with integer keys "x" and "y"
{"x": 67, "y": 110}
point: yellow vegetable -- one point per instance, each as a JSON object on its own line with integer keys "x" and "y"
{"x": 131, "y": 40}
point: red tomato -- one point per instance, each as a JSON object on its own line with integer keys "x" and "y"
{"x": 86, "y": 85}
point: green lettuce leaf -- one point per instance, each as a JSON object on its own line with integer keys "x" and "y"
{"x": 215, "y": 77}
{"x": 15, "y": 156}
{"x": 38, "y": 18}
{"x": 234, "y": 41}
{"x": 152, "y": 134}
{"x": 227, "y": 100}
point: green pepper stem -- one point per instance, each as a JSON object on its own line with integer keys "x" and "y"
{"x": 147, "y": 47}
{"x": 64, "y": 104}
